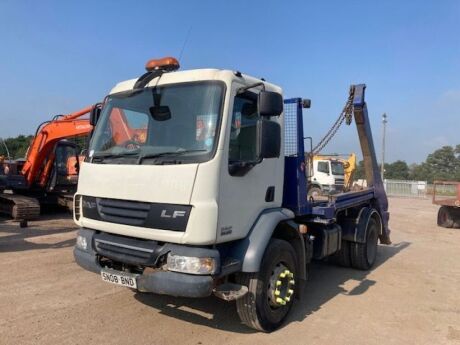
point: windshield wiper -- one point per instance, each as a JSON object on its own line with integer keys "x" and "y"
{"x": 104, "y": 155}
{"x": 168, "y": 153}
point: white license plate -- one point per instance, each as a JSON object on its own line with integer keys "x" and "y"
{"x": 123, "y": 279}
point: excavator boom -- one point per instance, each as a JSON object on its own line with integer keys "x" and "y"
{"x": 48, "y": 134}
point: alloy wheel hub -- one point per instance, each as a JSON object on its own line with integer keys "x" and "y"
{"x": 281, "y": 287}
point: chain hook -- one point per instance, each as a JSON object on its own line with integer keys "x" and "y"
{"x": 346, "y": 115}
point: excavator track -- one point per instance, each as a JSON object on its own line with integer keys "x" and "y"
{"x": 19, "y": 207}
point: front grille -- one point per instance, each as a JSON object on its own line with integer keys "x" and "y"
{"x": 136, "y": 213}
{"x": 127, "y": 250}
{"x": 123, "y": 211}
{"x": 339, "y": 181}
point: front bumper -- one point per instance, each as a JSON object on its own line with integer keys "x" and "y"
{"x": 160, "y": 282}
{"x": 332, "y": 188}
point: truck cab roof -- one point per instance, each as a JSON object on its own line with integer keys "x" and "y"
{"x": 184, "y": 76}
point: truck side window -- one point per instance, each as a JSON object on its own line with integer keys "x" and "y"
{"x": 243, "y": 129}
{"x": 323, "y": 167}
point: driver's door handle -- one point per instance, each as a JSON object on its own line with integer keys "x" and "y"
{"x": 270, "y": 194}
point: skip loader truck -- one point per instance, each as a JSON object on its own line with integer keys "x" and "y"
{"x": 212, "y": 197}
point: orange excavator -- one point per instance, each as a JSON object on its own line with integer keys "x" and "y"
{"x": 49, "y": 173}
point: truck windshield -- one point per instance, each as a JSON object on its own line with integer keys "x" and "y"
{"x": 168, "y": 124}
{"x": 337, "y": 168}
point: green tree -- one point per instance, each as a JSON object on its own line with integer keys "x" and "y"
{"x": 17, "y": 147}
{"x": 457, "y": 154}
{"x": 420, "y": 172}
{"x": 398, "y": 170}
{"x": 442, "y": 164}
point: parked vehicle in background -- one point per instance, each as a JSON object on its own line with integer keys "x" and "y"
{"x": 49, "y": 172}
{"x": 329, "y": 174}
{"x": 447, "y": 195}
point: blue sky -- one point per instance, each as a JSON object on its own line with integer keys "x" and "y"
{"x": 59, "y": 56}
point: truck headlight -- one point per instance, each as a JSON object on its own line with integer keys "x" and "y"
{"x": 82, "y": 243}
{"x": 192, "y": 265}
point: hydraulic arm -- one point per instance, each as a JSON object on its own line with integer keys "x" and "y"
{"x": 371, "y": 167}
{"x": 48, "y": 134}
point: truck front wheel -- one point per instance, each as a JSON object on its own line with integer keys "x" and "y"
{"x": 445, "y": 217}
{"x": 271, "y": 290}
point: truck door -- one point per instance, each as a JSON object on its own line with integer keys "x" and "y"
{"x": 323, "y": 173}
{"x": 248, "y": 186}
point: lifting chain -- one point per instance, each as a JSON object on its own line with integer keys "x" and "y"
{"x": 346, "y": 115}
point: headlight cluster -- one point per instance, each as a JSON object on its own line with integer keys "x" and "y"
{"x": 192, "y": 265}
{"x": 82, "y": 243}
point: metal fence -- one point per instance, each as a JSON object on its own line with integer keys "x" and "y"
{"x": 412, "y": 189}
{"x": 416, "y": 189}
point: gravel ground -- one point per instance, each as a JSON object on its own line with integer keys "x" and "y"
{"x": 410, "y": 297}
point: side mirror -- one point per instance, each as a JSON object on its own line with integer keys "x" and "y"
{"x": 268, "y": 139}
{"x": 306, "y": 103}
{"x": 95, "y": 114}
{"x": 270, "y": 103}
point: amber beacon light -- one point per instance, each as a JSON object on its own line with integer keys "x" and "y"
{"x": 166, "y": 64}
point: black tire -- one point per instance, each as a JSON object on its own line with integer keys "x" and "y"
{"x": 456, "y": 216}
{"x": 363, "y": 255}
{"x": 256, "y": 308}
{"x": 445, "y": 217}
{"x": 342, "y": 257}
{"x": 314, "y": 192}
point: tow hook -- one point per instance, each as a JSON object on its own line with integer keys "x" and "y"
{"x": 230, "y": 291}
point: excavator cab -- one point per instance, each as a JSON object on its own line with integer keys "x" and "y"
{"x": 64, "y": 162}
{"x": 64, "y": 176}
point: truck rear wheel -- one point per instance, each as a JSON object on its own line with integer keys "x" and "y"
{"x": 363, "y": 255}
{"x": 342, "y": 257}
{"x": 445, "y": 217}
{"x": 271, "y": 290}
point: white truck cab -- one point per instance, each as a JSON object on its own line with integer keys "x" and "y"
{"x": 198, "y": 163}
{"x": 194, "y": 184}
{"x": 328, "y": 176}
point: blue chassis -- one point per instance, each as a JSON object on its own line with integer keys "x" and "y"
{"x": 295, "y": 182}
